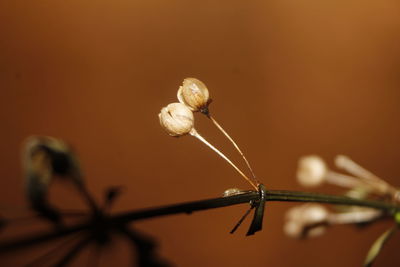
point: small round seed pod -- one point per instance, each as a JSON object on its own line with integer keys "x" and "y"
{"x": 194, "y": 94}
{"x": 311, "y": 171}
{"x": 177, "y": 119}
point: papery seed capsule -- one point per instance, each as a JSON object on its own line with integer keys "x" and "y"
{"x": 177, "y": 119}
{"x": 194, "y": 94}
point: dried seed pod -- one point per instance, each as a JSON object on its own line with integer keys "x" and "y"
{"x": 194, "y": 94}
{"x": 177, "y": 119}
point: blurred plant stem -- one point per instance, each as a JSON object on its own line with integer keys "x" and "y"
{"x": 104, "y": 223}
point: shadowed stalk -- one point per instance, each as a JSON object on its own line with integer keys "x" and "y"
{"x": 94, "y": 256}
{"x": 52, "y": 252}
{"x": 74, "y": 252}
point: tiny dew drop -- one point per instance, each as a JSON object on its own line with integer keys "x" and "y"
{"x": 232, "y": 192}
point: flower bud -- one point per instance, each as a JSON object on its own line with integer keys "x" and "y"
{"x": 43, "y": 158}
{"x": 194, "y": 94}
{"x": 46, "y": 156}
{"x": 309, "y": 220}
{"x": 311, "y": 171}
{"x": 177, "y": 119}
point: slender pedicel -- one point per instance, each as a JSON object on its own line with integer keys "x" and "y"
{"x": 177, "y": 119}
{"x": 374, "y": 181}
{"x": 235, "y": 145}
{"x": 198, "y": 136}
{"x": 195, "y": 95}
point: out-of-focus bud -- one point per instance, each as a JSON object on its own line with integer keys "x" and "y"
{"x": 177, "y": 119}
{"x": 44, "y": 157}
{"x": 311, "y": 171}
{"x": 309, "y": 220}
{"x": 49, "y": 155}
{"x": 194, "y": 94}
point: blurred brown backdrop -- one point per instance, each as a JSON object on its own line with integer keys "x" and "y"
{"x": 288, "y": 78}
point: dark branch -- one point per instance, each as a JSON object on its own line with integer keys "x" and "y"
{"x": 188, "y": 208}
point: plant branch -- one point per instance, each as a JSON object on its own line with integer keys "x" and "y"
{"x": 112, "y": 221}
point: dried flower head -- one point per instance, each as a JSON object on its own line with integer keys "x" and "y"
{"x": 194, "y": 94}
{"x": 308, "y": 220}
{"x": 177, "y": 119}
{"x": 311, "y": 171}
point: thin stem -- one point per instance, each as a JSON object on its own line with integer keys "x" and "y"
{"x": 352, "y": 167}
{"x": 368, "y": 177}
{"x": 87, "y": 196}
{"x": 194, "y": 133}
{"x": 357, "y": 216}
{"x": 235, "y": 145}
{"x": 189, "y": 207}
{"x": 343, "y": 180}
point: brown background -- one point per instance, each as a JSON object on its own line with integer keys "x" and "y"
{"x": 288, "y": 78}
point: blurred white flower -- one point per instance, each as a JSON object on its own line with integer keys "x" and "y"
{"x": 311, "y": 171}
{"x": 308, "y": 220}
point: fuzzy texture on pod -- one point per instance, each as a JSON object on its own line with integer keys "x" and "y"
{"x": 311, "y": 171}
{"x": 177, "y": 119}
{"x": 194, "y": 94}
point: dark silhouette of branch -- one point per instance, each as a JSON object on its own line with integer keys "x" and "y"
{"x": 53, "y": 251}
{"x": 120, "y": 219}
{"x": 74, "y": 252}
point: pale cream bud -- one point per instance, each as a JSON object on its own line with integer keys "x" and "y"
{"x": 311, "y": 171}
{"x": 309, "y": 220}
{"x": 177, "y": 119}
{"x": 194, "y": 94}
